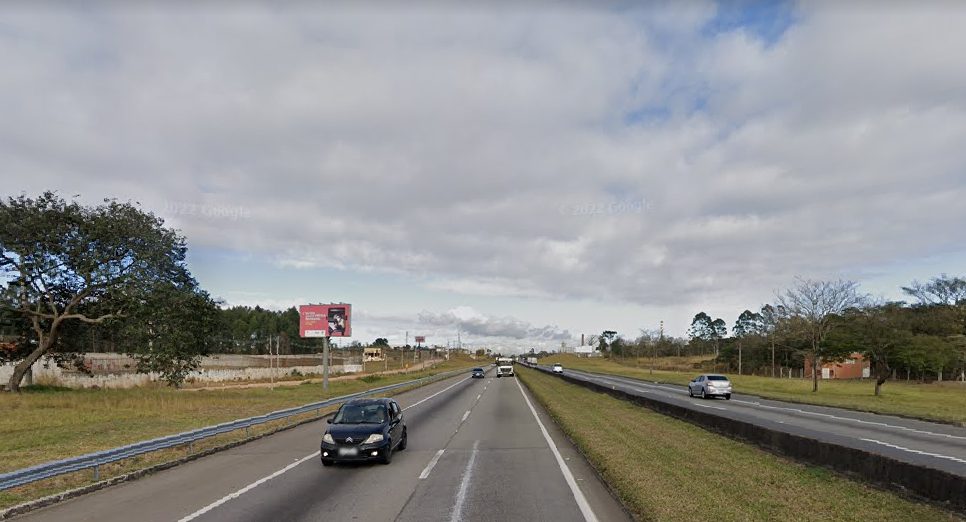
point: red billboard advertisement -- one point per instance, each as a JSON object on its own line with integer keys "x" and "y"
{"x": 332, "y": 320}
{"x": 420, "y": 339}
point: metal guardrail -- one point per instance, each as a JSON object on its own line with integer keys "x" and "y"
{"x": 96, "y": 459}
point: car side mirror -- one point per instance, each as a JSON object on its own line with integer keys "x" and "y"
{"x": 329, "y": 420}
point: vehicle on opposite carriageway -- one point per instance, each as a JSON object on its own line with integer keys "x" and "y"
{"x": 709, "y": 385}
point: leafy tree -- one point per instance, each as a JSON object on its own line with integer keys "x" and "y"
{"x": 939, "y": 290}
{"x": 771, "y": 322}
{"x": 64, "y": 262}
{"x": 813, "y": 305}
{"x": 708, "y": 330}
{"x": 170, "y": 329}
{"x": 880, "y": 333}
{"x": 381, "y": 341}
{"x": 605, "y": 339}
{"x": 748, "y": 324}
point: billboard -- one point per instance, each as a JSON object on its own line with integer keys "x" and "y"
{"x": 333, "y": 320}
{"x": 420, "y": 339}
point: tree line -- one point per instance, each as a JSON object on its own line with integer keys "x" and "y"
{"x": 816, "y": 322}
{"x": 111, "y": 277}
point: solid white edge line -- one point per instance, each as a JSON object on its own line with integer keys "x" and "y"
{"x": 457, "y": 514}
{"x": 918, "y": 452}
{"x": 247, "y": 488}
{"x": 568, "y": 476}
{"x": 432, "y": 464}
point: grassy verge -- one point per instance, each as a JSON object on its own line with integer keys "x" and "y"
{"x": 666, "y": 469}
{"x": 44, "y": 424}
{"x": 944, "y": 402}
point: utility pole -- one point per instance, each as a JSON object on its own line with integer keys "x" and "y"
{"x": 325, "y": 363}
{"x": 271, "y": 367}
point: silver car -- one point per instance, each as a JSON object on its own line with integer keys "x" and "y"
{"x": 708, "y": 385}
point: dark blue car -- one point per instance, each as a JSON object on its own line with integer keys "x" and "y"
{"x": 478, "y": 373}
{"x": 364, "y": 429}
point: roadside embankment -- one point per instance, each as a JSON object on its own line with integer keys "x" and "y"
{"x": 666, "y": 469}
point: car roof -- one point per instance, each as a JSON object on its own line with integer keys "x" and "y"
{"x": 714, "y": 375}
{"x": 377, "y": 400}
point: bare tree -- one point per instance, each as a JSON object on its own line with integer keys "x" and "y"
{"x": 813, "y": 305}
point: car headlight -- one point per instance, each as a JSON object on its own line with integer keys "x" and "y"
{"x": 375, "y": 437}
{"x": 328, "y": 438}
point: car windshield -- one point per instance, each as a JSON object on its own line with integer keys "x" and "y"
{"x": 477, "y": 369}
{"x": 372, "y": 413}
{"x": 717, "y": 378}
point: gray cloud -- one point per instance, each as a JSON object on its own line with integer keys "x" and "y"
{"x": 473, "y": 323}
{"x": 444, "y": 142}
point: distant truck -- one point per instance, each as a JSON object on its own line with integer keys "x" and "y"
{"x": 532, "y": 361}
{"x": 504, "y": 367}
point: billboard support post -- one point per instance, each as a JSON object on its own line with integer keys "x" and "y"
{"x": 325, "y": 363}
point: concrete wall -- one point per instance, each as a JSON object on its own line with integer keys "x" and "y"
{"x": 113, "y": 370}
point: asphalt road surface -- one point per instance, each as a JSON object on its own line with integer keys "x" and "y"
{"x": 479, "y": 449}
{"x": 935, "y": 445}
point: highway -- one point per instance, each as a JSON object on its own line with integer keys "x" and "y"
{"x": 935, "y": 445}
{"x": 479, "y": 449}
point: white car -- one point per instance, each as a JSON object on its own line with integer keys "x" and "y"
{"x": 557, "y": 368}
{"x": 708, "y": 386}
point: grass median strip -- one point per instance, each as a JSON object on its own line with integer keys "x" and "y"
{"x": 944, "y": 402}
{"x": 666, "y": 469}
{"x": 45, "y": 424}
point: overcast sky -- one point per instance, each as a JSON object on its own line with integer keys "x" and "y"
{"x": 522, "y": 174}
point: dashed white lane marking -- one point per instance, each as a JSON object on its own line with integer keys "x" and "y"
{"x": 568, "y": 476}
{"x": 478, "y": 396}
{"x": 465, "y": 415}
{"x": 918, "y": 452}
{"x": 246, "y": 489}
{"x": 850, "y": 419}
{"x": 464, "y": 485}
{"x": 263, "y": 480}
{"x": 432, "y": 464}
{"x": 712, "y": 407}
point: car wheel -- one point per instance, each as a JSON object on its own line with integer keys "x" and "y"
{"x": 327, "y": 462}
{"x": 387, "y": 455}
{"x": 404, "y": 441}
{"x": 703, "y": 395}
{"x": 690, "y": 392}
{"x": 727, "y": 396}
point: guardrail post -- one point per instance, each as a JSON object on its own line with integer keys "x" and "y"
{"x": 94, "y": 460}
